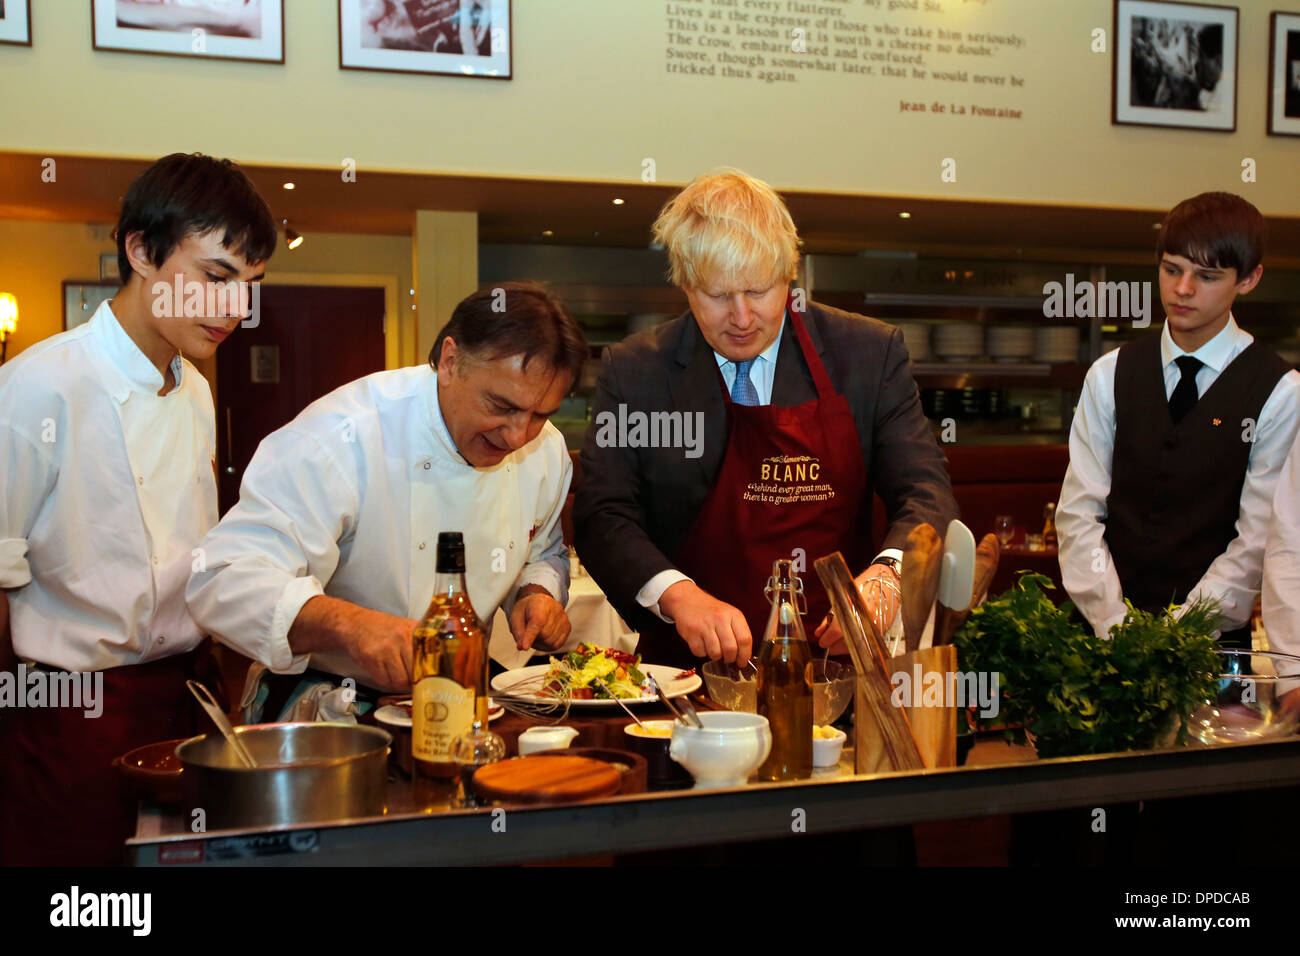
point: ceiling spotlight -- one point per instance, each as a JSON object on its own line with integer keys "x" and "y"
{"x": 291, "y": 238}
{"x": 288, "y": 185}
{"x": 1155, "y": 225}
{"x": 546, "y": 233}
{"x": 904, "y": 215}
{"x": 618, "y": 202}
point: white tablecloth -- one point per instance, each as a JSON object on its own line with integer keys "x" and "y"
{"x": 593, "y": 618}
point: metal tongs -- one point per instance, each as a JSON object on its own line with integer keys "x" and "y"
{"x": 690, "y": 719}
{"x": 209, "y": 704}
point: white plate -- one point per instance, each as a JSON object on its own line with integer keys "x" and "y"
{"x": 529, "y": 679}
{"x": 395, "y": 716}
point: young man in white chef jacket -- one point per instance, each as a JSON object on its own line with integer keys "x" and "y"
{"x": 107, "y": 446}
{"x": 328, "y": 559}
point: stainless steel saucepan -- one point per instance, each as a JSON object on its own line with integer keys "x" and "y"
{"x": 305, "y": 773}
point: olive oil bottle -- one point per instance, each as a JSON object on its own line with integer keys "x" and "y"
{"x": 785, "y": 691}
{"x": 450, "y": 689}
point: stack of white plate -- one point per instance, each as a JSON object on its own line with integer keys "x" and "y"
{"x": 1057, "y": 343}
{"x": 958, "y": 341}
{"x": 1011, "y": 343}
{"x": 916, "y": 336}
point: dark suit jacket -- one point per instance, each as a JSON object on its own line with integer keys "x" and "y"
{"x": 634, "y": 506}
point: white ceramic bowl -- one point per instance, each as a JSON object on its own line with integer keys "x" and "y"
{"x": 826, "y": 750}
{"x": 723, "y": 753}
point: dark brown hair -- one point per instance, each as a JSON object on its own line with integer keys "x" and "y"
{"x": 515, "y": 318}
{"x": 1216, "y": 230}
{"x": 187, "y": 193}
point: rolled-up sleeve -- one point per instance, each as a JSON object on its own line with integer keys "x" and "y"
{"x": 548, "y": 556}
{"x": 27, "y": 476}
{"x": 275, "y": 549}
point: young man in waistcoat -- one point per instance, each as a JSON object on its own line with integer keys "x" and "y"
{"x": 1179, "y": 438}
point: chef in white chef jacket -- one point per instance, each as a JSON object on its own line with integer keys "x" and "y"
{"x": 328, "y": 559}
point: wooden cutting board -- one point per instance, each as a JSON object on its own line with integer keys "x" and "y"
{"x": 545, "y": 778}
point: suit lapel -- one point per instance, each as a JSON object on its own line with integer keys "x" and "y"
{"x": 694, "y": 384}
{"x": 793, "y": 384}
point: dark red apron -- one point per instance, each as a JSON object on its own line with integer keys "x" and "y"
{"x": 62, "y": 802}
{"x": 792, "y": 480}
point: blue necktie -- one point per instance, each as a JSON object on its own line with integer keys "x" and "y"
{"x": 742, "y": 389}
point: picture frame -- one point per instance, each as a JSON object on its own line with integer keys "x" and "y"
{"x": 1175, "y": 65}
{"x": 81, "y": 297}
{"x": 206, "y": 29}
{"x": 108, "y": 267}
{"x": 427, "y": 36}
{"x": 1284, "y": 74}
{"x": 16, "y": 22}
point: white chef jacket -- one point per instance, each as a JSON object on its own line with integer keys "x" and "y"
{"x": 1233, "y": 578}
{"x": 1281, "y": 591}
{"x": 348, "y": 500}
{"x": 106, "y": 490}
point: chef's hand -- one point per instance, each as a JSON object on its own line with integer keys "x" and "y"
{"x": 711, "y": 628}
{"x": 538, "y": 619}
{"x": 380, "y": 644}
{"x": 881, "y": 602}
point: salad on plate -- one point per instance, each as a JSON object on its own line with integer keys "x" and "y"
{"x": 595, "y": 673}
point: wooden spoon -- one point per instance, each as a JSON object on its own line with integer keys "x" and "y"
{"x": 922, "y": 562}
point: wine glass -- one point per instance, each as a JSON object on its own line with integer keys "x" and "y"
{"x": 1004, "y": 526}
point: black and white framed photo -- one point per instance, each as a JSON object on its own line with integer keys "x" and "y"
{"x": 448, "y": 37}
{"x": 215, "y": 29}
{"x": 1175, "y": 64}
{"x": 16, "y": 22}
{"x": 1284, "y": 75}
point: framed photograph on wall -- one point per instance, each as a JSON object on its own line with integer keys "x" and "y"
{"x": 214, "y": 29}
{"x": 448, "y": 37}
{"x": 16, "y": 22}
{"x": 1284, "y": 75}
{"x": 81, "y": 297}
{"x": 1175, "y": 64}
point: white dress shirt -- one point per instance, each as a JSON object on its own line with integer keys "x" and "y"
{"x": 1281, "y": 589}
{"x": 1233, "y": 578}
{"x": 348, "y": 500}
{"x": 761, "y": 375}
{"x": 107, "y": 489}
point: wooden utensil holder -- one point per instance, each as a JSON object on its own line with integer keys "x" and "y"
{"x": 933, "y": 728}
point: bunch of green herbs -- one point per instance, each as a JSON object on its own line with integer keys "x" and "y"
{"x": 1076, "y": 693}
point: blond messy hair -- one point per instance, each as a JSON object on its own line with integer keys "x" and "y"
{"x": 729, "y": 228}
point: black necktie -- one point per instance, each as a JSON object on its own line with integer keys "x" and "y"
{"x": 1184, "y": 396}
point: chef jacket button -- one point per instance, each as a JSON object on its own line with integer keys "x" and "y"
{"x": 140, "y": 479}
{"x": 161, "y": 640}
{"x": 155, "y": 560}
{"x": 428, "y": 465}
{"x": 512, "y": 544}
{"x": 421, "y": 545}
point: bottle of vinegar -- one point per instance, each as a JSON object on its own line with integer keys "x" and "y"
{"x": 450, "y": 689}
{"x": 785, "y": 691}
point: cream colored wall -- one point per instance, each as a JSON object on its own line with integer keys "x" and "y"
{"x": 590, "y": 99}
{"x": 35, "y": 258}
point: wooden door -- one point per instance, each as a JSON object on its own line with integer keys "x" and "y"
{"x": 309, "y": 341}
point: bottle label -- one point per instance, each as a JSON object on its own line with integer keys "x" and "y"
{"x": 441, "y": 710}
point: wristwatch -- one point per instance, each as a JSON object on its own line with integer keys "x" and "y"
{"x": 892, "y": 563}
